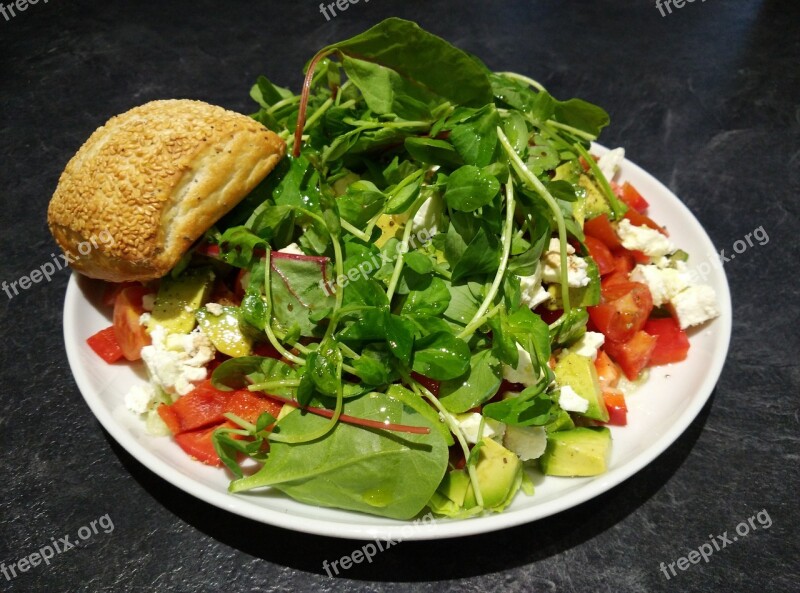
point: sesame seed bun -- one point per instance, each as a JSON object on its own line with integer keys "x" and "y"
{"x": 151, "y": 181}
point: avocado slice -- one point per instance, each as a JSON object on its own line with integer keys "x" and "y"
{"x": 224, "y": 331}
{"x": 577, "y": 452}
{"x": 499, "y": 474}
{"x": 562, "y": 422}
{"x": 595, "y": 203}
{"x": 579, "y": 373}
{"x": 178, "y": 300}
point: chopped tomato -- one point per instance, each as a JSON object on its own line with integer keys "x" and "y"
{"x": 600, "y": 228}
{"x": 617, "y": 409}
{"x": 112, "y": 289}
{"x": 105, "y": 345}
{"x": 672, "y": 343}
{"x": 249, "y": 406}
{"x": 429, "y": 384}
{"x": 600, "y": 254}
{"x": 628, "y": 194}
{"x": 639, "y": 219}
{"x": 623, "y": 310}
{"x": 616, "y": 278}
{"x": 199, "y": 444}
{"x": 607, "y": 371}
{"x": 549, "y": 316}
{"x": 623, "y": 260}
{"x": 131, "y": 334}
{"x": 201, "y": 407}
{"x": 640, "y": 257}
{"x": 632, "y": 355}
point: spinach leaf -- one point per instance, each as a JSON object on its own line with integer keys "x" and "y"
{"x": 433, "y": 152}
{"x": 238, "y": 373}
{"x": 298, "y": 290}
{"x": 469, "y": 188}
{"x": 529, "y": 408}
{"x": 441, "y": 356}
{"x": 481, "y": 256}
{"x": 372, "y": 471}
{"x": 478, "y": 385}
{"x": 360, "y": 203}
{"x": 476, "y": 138}
{"x": 433, "y": 300}
{"x": 427, "y": 60}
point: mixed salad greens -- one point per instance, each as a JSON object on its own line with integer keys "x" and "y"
{"x": 396, "y": 319}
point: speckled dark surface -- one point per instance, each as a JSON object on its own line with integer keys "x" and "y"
{"x": 705, "y": 98}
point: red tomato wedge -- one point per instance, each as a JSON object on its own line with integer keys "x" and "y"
{"x": 672, "y": 343}
{"x": 112, "y": 289}
{"x": 624, "y": 260}
{"x": 130, "y": 334}
{"x": 607, "y": 371}
{"x": 201, "y": 407}
{"x": 632, "y": 355}
{"x": 199, "y": 444}
{"x": 640, "y": 219}
{"x": 105, "y": 345}
{"x": 623, "y": 310}
{"x": 600, "y": 228}
{"x": 616, "y": 406}
{"x": 249, "y": 406}
{"x": 600, "y": 254}
{"x": 628, "y": 194}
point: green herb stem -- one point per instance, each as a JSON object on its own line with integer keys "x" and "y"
{"x": 501, "y": 270}
{"x": 618, "y": 208}
{"x": 403, "y": 247}
{"x": 529, "y": 81}
{"x": 534, "y": 183}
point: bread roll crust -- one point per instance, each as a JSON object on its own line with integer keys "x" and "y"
{"x": 151, "y": 181}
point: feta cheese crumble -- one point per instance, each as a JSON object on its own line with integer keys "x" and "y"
{"x": 587, "y": 346}
{"x": 577, "y": 268}
{"x": 610, "y": 162}
{"x": 177, "y": 361}
{"x": 571, "y": 401}
{"x": 532, "y": 292}
{"x": 471, "y": 422}
{"x": 695, "y": 305}
{"x": 148, "y": 302}
{"x": 292, "y": 248}
{"x": 428, "y": 217}
{"x": 214, "y": 308}
{"x": 664, "y": 283}
{"x": 138, "y": 399}
{"x": 641, "y": 238}
{"x": 523, "y": 373}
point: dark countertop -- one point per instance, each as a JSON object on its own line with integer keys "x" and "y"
{"x": 705, "y": 98}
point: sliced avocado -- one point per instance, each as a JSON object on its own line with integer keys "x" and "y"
{"x": 178, "y": 300}
{"x": 585, "y": 296}
{"x": 579, "y": 373}
{"x": 569, "y": 171}
{"x": 596, "y": 203}
{"x": 562, "y": 422}
{"x": 577, "y": 452}
{"x": 499, "y": 474}
{"x": 224, "y": 331}
{"x": 454, "y": 486}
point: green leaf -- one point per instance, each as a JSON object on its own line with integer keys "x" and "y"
{"x": 427, "y": 60}
{"x": 385, "y": 91}
{"x": 323, "y": 367}
{"x": 433, "y": 300}
{"x": 433, "y": 152}
{"x": 400, "y": 337}
{"x": 533, "y": 334}
{"x": 238, "y": 373}
{"x": 482, "y": 256}
{"x": 504, "y": 346}
{"x": 419, "y": 262}
{"x": 582, "y": 115}
{"x": 529, "y": 408}
{"x": 441, "y": 356}
{"x": 360, "y": 203}
{"x": 474, "y": 388}
{"x": 384, "y": 473}
{"x": 267, "y": 94}
{"x": 298, "y": 290}
{"x": 476, "y": 138}
{"x": 469, "y": 188}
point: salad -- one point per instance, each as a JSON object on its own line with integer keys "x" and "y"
{"x": 440, "y": 289}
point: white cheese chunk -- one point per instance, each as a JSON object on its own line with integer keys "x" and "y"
{"x": 428, "y": 217}
{"x": 641, "y": 238}
{"x": 664, "y": 283}
{"x": 138, "y": 399}
{"x": 177, "y": 361}
{"x": 571, "y": 401}
{"x": 292, "y": 249}
{"x": 577, "y": 268}
{"x": 610, "y": 162}
{"x": 524, "y": 372}
{"x": 532, "y": 293}
{"x": 470, "y": 424}
{"x": 695, "y": 305}
{"x": 588, "y": 345}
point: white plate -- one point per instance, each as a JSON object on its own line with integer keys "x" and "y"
{"x": 658, "y": 412}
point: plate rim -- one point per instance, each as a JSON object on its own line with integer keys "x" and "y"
{"x": 442, "y": 528}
